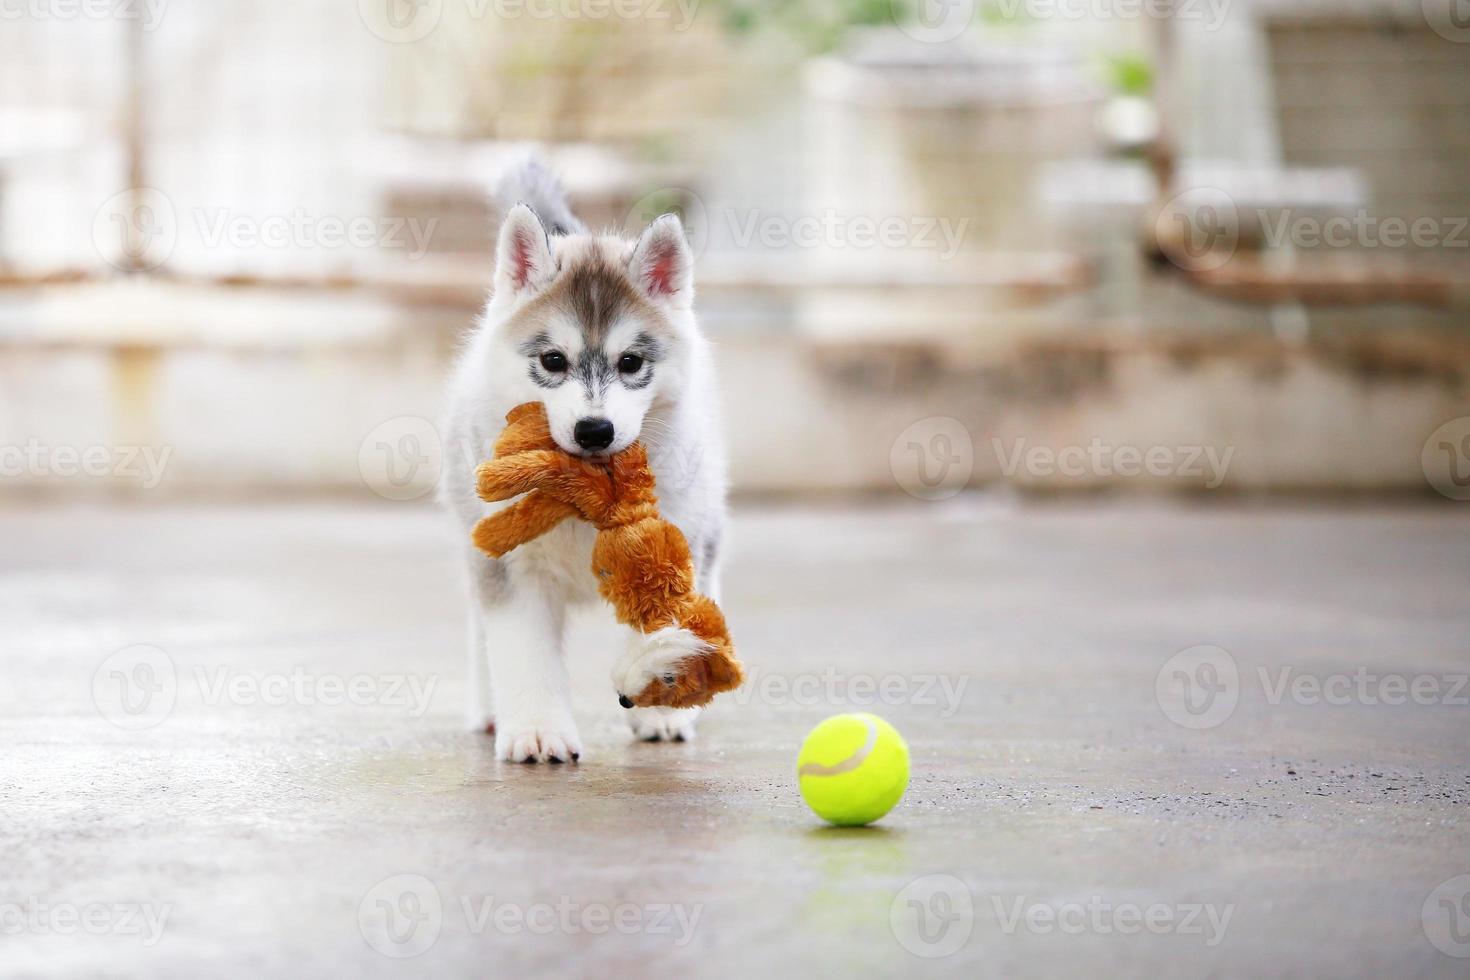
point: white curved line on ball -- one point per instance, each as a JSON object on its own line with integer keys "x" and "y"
{"x": 848, "y": 764}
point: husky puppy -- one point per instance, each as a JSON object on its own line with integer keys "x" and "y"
{"x": 601, "y": 330}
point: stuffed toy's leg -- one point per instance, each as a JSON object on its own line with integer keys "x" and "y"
{"x": 586, "y": 486}
{"x": 525, "y": 520}
{"x": 681, "y": 655}
{"x": 681, "y": 665}
{"x": 526, "y": 459}
{"x": 524, "y": 444}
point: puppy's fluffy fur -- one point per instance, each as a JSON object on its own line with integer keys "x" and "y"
{"x": 594, "y": 327}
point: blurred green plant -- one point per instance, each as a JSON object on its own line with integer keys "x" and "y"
{"x": 1130, "y": 74}
{"x": 817, "y": 26}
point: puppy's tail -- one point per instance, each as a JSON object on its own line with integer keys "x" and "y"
{"x": 530, "y": 181}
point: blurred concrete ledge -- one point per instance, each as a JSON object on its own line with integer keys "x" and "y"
{"x": 291, "y": 391}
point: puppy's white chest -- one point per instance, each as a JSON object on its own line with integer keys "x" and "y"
{"x": 563, "y": 558}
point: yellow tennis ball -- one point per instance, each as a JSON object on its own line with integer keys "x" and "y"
{"x": 853, "y": 769}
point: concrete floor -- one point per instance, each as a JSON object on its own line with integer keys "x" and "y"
{"x": 1058, "y": 822}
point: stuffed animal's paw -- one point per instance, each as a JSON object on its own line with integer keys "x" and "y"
{"x": 510, "y": 476}
{"x": 666, "y": 668}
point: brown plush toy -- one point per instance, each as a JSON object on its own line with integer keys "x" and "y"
{"x": 641, "y": 561}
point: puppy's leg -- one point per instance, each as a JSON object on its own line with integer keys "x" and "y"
{"x": 487, "y": 590}
{"x": 533, "y": 710}
{"x": 480, "y": 703}
{"x": 707, "y": 565}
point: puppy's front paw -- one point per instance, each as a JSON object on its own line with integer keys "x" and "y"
{"x": 663, "y": 724}
{"x": 532, "y": 742}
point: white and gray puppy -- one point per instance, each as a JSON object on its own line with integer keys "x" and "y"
{"x": 601, "y": 330}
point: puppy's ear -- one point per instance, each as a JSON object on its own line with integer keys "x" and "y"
{"x": 523, "y": 260}
{"x": 661, "y": 264}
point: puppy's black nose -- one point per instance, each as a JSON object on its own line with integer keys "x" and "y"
{"x": 593, "y": 434}
{"x": 625, "y": 701}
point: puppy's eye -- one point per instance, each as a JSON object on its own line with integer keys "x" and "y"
{"x": 554, "y": 361}
{"x": 629, "y": 363}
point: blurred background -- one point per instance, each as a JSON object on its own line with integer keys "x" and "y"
{"x": 1096, "y": 373}
{"x": 1058, "y": 244}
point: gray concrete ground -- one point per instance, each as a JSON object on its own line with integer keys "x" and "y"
{"x": 290, "y": 790}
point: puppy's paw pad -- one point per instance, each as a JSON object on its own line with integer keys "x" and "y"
{"x": 663, "y": 724}
{"x": 537, "y": 743}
